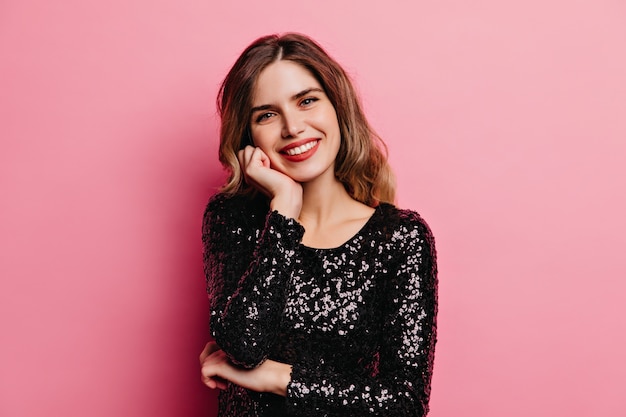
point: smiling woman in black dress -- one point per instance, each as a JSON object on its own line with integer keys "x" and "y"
{"x": 323, "y": 294}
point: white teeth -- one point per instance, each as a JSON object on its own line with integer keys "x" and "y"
{"x": 301, "y": 149}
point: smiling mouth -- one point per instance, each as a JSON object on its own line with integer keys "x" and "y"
{"x": 298, "y": 150}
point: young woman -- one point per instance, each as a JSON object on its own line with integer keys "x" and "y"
{"x": 323, "y": 294}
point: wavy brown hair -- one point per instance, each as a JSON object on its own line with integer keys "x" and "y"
{"x": 361, "y": 163}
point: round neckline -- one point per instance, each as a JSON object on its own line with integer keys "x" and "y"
{"x": 366, "y": 225}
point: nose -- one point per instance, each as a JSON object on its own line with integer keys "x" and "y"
{"x": 293, "y": 125}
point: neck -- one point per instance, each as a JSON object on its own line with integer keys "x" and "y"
{"x": 321, "y": 201}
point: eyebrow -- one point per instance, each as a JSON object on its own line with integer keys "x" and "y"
{"x": 294, "y": 97}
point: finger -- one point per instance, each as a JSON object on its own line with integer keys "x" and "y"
{"x": 212, "y": 365}
{"x": 209, "y": 348}
{"x": 204, "y": 353}
{"x": 248, "y": 152}
{"x": 215, "y": 383}
{"x": 251, "y": 161}
{"x": 241, "y": 158}
{"x": 262, "y": 156}
{"x": 221, "y": 383}
{"x": 213, "y": 368}
{"x": 245, "y": 158}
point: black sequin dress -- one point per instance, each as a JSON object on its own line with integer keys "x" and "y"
{"x": 356, "y": 322}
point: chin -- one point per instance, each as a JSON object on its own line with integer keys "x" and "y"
{"x": 306, "y": 177}
{"x": 305, "y": 172}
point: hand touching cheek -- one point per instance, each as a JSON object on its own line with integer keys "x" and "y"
{"x": 285, "y": 193}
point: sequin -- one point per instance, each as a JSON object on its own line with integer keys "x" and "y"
{"x": 357, "y": 322}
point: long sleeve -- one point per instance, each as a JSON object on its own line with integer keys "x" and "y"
{"x": 247, "y": 258}
{"x": 399, "y": 383}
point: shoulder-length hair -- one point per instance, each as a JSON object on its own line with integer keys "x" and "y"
{"x": 361, "y": 164}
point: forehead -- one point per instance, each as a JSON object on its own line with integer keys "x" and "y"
{"x": 281, "y": 80}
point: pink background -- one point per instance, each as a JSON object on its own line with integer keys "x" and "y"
{"x": 506, "y": 122}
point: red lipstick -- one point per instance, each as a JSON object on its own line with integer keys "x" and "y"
{"x": 300, "y": 150}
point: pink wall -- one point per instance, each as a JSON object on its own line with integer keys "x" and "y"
{"x": 506, "y": 123}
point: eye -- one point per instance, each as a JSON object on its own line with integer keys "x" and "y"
{"x": 263, "y": 116}
{"x": 308, "y": 101}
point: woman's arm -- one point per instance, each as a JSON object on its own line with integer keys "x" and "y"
{"x": 218, "y": 370}
{"x": 247, "y": 275}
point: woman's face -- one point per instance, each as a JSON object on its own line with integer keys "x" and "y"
{"x": 294, "y": 122}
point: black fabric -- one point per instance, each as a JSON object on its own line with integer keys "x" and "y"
{"x": 356, "y": 322}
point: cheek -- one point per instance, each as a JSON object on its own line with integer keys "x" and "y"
{"x": 264, "y": 139}
{"x": 260, "y": 138}
{"x": 329, "y": 118}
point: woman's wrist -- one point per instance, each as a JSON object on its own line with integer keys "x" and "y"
{"x": 281, "y": 376}
{"x": 288, "y": 204}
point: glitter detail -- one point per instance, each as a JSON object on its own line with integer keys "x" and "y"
{"x": 357, "y": 323}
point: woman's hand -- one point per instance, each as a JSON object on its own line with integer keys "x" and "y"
{"x": 217, "y": 371}
{"x": 285, "y": 193}
{"x": 215, "y": 381}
